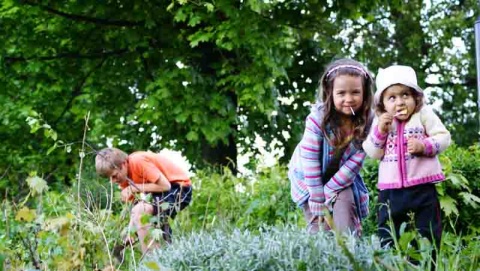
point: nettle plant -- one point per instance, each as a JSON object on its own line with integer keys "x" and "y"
{"x": 459, "y": 192}
{"x": 45, "y": 231}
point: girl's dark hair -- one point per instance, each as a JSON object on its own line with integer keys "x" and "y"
{"x": 361, "y": 121}
{"x": 419, "y": 97}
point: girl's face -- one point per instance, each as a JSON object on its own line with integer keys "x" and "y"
{"x": 347, "y": 94}
{"x": 399, "y": 101}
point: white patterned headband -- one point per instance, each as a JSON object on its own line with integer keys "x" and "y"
{"x": 362, "y": 71}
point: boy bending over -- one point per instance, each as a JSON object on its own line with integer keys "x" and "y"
{"x": 149, "y": 173}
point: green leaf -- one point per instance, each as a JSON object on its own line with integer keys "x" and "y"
{"x": 25, "y": 214}
{"x": 145, "y": 219}
{"x": 152, "y": 265}
{"x": 199, "y": 37}
{"x": 180, "y": 16}
{"x": 170, "y": 6}
{"x": 470, "y": 199}
{"x": 458, "y": 180}
{"x": 192, "y": 136}
{"x": 194, "y": 20}
{"x": 210, "y": 7}
{"x": 405, "y": 240}
{"x": 448, "y": 205}
{"x": 52, "y": 148}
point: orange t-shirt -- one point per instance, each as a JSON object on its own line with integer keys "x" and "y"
{"x": 146, "y": 167}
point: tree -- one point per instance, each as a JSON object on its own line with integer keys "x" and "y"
{"x": 201, "y": 76}
{"x": 183, "y": 72}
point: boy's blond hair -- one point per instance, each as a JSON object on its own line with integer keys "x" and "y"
{"x": 109, "y": 159}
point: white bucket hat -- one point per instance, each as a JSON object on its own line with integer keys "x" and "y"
{"x": 396, "y": 74}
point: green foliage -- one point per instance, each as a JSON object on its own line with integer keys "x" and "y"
{"x": 247, "y": 223}
{"x": 199, "y": 78}
{"x": 244, "y": 203}
{"x": 46, "y": 231}
{"x": 459, "y": 194}
{"x": 279, "y": 248}
{"x": 289, "y": 248}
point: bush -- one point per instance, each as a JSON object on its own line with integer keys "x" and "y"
{"x": 280, "y": 248}
{"x": 291, "y": 248}
{"x": 243, "y": 203}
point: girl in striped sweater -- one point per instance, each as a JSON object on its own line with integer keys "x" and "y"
{"x": 324, "y": 170}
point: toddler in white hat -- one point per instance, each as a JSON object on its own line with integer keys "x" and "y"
{"x": 406, "y": 136}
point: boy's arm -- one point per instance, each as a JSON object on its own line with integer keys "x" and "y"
{"x": 310, "y": 151}
{"x": 438, "y": 137}
{"x": 153, "y": 179}
{"x": 161, "y": 185}
{"x": 374, "y": 144}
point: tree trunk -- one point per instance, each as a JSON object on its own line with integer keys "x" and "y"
{"x": 221, "y": 155}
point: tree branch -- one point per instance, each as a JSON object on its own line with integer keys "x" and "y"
{"x": 77, "y": 91}
{"x": 85, "y": 18}
{"x": 75, "y": 55}
{"x": 472, "y": 83}
{"x": 27, "y": 245}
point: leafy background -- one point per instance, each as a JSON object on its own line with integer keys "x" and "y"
{"x": 209, "y": 78}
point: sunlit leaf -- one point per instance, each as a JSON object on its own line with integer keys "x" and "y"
{"x": 448, "y": 205}
{"x": 470, "y": 199}
{"x": 152, "y": 265}
{"x": 25, "y": 214}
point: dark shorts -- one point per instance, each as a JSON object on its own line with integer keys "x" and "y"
{"x": 169, "y": 203}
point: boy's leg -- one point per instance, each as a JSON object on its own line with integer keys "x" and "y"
{"x": 139, "y": 210}
{"x": 344, "y": 212}
{"x": 177, "y": 198}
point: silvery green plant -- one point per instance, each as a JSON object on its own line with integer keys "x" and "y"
{"x": 286, "y": 248}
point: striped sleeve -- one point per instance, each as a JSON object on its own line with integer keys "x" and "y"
{"x": 375, "y": 143}
{"x": 344, "y": 176}
{"x": 310, "y": 152}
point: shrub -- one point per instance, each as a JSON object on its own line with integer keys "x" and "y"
{"x": 291, "y": 248}
{"x": 244, "y": 203}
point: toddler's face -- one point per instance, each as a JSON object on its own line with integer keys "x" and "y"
{"x": 347, "y": 94}
{"x": 399, "y": 101}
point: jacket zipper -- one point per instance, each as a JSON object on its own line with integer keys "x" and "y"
{"x": 401, "y": 151}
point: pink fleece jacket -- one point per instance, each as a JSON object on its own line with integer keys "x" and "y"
{"x": 398, "y": 168}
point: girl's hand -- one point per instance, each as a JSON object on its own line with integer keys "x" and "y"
{"x": 385, "y": 122}
{"x": 313, "y": 226}
{"x": 415, "y": 146}
{"x": 127, "y": 194}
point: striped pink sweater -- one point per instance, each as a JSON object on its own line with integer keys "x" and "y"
{"x": 311, "y": 158}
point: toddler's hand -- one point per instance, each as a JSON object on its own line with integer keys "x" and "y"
{"x": 384, "y": 122}
{"x": 415, "y": 146}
